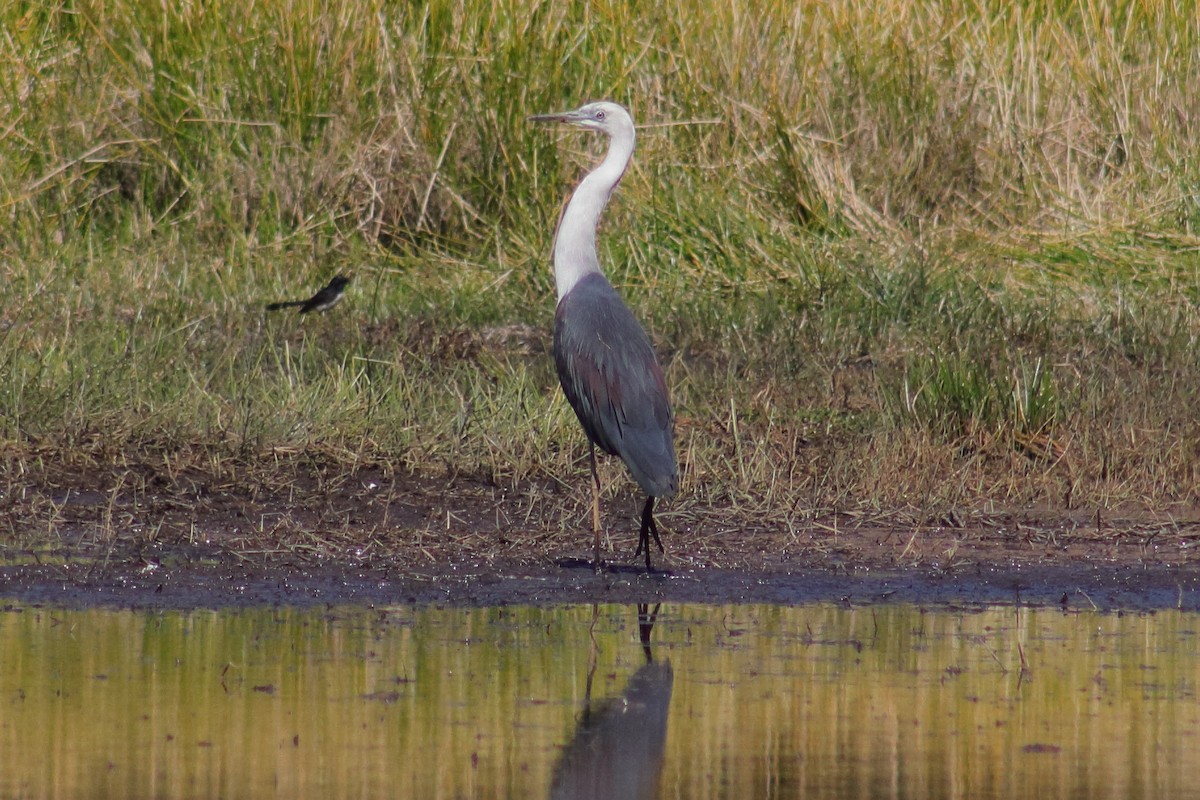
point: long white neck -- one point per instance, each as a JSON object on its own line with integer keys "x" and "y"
{"x": 575, "y": 241}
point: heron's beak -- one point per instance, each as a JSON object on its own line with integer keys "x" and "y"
{"x": 569, "y": 117}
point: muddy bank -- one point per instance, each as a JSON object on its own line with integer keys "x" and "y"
{"x": 91, "y": 538}
{"x": 176, "y": 580}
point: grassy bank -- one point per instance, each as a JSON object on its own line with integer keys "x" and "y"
{"x": 911, "y": 256}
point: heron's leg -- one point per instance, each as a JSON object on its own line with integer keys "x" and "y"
{"x": 649, "y": 526}
{"x": 595, "y": 504}
{"x": 591, "y": 673}
{"x": 646, "y": 619}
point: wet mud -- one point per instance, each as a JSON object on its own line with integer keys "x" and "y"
{"x": 218, "y": 583}
{"x": 376, "y": 540}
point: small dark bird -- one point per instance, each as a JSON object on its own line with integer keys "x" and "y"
{"x": 605, "y": 361}
{"x": 323, "y": 300}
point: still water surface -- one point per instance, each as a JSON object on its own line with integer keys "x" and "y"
{"x": 709, "y": 702}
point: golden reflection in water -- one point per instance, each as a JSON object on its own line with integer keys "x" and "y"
{"x": 812, "y": 702}
{"x": 619, "y": 742}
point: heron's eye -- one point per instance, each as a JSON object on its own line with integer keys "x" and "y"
{"x": 599, "y": 116}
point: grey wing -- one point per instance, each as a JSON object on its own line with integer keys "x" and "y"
{"x": 614, "y": 383}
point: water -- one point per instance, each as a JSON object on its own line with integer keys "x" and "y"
{"x": 720, "y": 702}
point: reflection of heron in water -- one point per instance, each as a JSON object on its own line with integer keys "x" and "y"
{"x": 618, "y": 747}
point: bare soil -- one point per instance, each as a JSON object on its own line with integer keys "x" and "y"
{"x": 136, "y": 537}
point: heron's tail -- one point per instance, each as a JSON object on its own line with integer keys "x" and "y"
{"x": 651, "y": 459}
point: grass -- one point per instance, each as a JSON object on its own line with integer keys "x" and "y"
{"x": 912, "y": 256}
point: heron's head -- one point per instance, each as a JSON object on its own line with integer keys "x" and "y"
{"x": 604, "y": 116}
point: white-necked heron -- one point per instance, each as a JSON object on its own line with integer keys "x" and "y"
{"x": 605, "y": 361}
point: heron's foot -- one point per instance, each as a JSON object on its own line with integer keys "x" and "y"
{"x": 644, "y": 539}
{"x": 649, "y": 528}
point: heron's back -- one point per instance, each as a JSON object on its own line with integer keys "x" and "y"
{"x": 612, "y": 379}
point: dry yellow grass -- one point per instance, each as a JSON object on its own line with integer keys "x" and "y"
{"x": 916, "y": 256}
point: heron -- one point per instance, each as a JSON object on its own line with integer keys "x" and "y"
{"x": 605, "y": 361}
